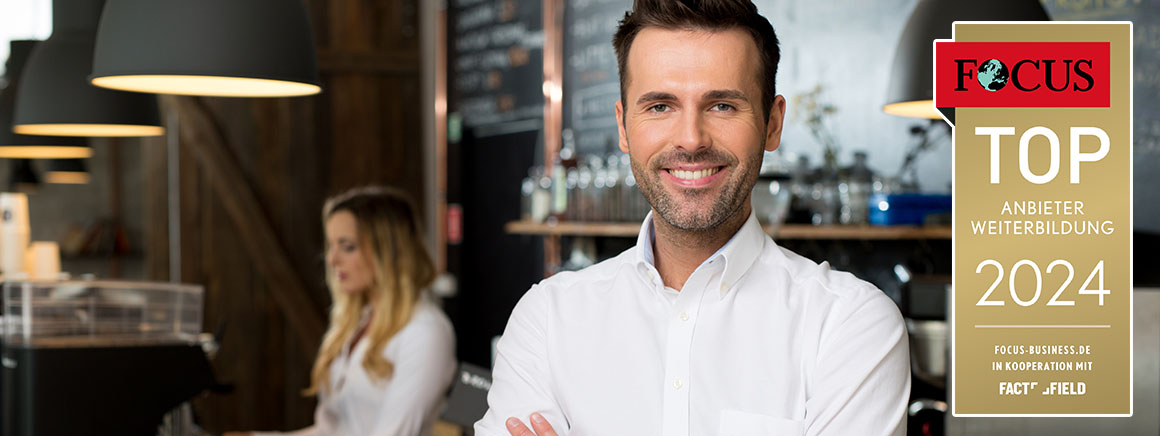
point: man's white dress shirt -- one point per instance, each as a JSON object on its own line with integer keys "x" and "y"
{"x": 760, "y": 341}
{"x": 408, "y": 403}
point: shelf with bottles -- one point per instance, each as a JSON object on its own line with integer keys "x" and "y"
{"x": 597, "y": 196}
{"x": 590, "y": 188}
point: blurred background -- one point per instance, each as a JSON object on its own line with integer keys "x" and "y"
{"x": 497, "y": 117}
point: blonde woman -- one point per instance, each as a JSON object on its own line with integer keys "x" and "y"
{"x": 388, "y": 356}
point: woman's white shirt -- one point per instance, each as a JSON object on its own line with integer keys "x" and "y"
{"x": 408, "y": 403}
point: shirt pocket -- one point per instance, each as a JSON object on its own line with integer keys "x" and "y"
{"x": 738, "y": 423}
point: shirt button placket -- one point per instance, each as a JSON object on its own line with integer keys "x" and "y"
{"x": 680, "y": 338}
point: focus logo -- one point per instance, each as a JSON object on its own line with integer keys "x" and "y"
{"x": 1021, "y": 74}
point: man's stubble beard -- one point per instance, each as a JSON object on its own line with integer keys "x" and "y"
{"x": 732, "y": 198}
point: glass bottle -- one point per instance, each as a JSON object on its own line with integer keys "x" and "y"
{"x": 801, "y": 187}
{"x": 575, "y": 205}
{"x": 598, "y": 190}
{"x": 542, "y": 196}
{"x": 612, "y": 182}
{"x": 527, "y": 188}
{"x": 566, "y": 158}
{"x": 855, "y": 191}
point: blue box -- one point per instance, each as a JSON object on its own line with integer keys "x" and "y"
{"x": 906, "y": 209}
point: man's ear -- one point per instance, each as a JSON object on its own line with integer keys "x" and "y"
{"x": 774, "y": 124}
{"x": 620, "y": 126}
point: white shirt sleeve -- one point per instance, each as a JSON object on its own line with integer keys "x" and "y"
{"x": 424, "y": 368}
{"x": 521, "y": 380}
{"x": 861, "y": 383}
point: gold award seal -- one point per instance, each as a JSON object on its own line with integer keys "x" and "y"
{"x": 1042, "y": 257}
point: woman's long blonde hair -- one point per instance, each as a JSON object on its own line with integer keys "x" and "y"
{"x": 391, "y": 241}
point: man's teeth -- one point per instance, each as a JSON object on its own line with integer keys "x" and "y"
{"x": 694, "y": 175}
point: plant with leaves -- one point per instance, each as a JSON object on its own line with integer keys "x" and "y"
{"x": 813, "y": 110}
{"x": 925, "y": 137}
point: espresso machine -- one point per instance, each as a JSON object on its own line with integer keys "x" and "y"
{"x": 98, "y": 357}
{"x": 925, "y": 307}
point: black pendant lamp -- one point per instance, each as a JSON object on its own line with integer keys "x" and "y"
{"x": 13, "y": 145}
{"x": 22, "y": 177}
{"x": 223, "y": 48}
{"x": 911, "y": 91}
{"x": 55, "y": 97}
{"x": 67, "y": 171}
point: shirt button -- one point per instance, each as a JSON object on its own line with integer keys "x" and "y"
{"x": 684, "y": 316}
{"x": 651, "y": 276}
{"x": 677, "y": 383}
{"x": 724, "y": 286}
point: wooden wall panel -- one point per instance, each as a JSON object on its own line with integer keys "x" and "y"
{"x": 271, "y": 155}
{"x": 355, "y": 115}
{"x": 155, "y": 243}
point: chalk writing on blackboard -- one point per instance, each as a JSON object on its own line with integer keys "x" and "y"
{"x": 496, "y": 62}
{"x": 591, "y": 84}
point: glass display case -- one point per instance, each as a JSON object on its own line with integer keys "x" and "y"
{"x": 100, "y": 313}
{"x": 98, "y": 357}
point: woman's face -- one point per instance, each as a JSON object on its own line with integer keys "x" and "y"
{"x": 344, "y": 254}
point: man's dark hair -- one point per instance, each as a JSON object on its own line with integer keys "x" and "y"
{"x": 710, "y": 15}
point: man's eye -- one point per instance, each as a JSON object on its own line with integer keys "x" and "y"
{"x": 658, "y": 108}
{"x": 723, "y": 107}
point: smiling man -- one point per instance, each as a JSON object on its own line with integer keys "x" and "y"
{"x": 706, "y": 326}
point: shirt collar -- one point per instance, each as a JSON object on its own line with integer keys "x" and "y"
{"x": 644, "y": 242}
{"x": 739, "y": 252}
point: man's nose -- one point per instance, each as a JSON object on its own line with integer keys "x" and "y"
{"x": 691, "y": 135}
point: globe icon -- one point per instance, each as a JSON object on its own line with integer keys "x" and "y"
{"x": 993, "y": 75}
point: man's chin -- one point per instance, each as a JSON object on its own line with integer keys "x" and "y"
{"x": 693, "y": 198}
{"x": 691, "y": 222}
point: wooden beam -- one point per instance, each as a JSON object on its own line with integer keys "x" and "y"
{"x": 202, "y": 135}
{"x": 553, "y": 86}
{"x": 440, "y": 176}
{"x": 553, "y": 109}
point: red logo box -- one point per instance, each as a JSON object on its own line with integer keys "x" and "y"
{"x": 1022, "y": 74}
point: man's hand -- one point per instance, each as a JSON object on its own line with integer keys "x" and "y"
{"x": 517, "y": 428}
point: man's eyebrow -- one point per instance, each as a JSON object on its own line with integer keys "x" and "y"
{"x": 655, "y": 96}
{"x": 716, "y": 94}
{"x": 724, "y": 94}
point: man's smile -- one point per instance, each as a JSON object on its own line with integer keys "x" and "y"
{"x": 693, "y": 175}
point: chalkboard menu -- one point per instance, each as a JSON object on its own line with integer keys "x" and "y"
{"x": 497, "y": 63}
{"x": 591, "y": 84}
{"x": 1145, "y": 18}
